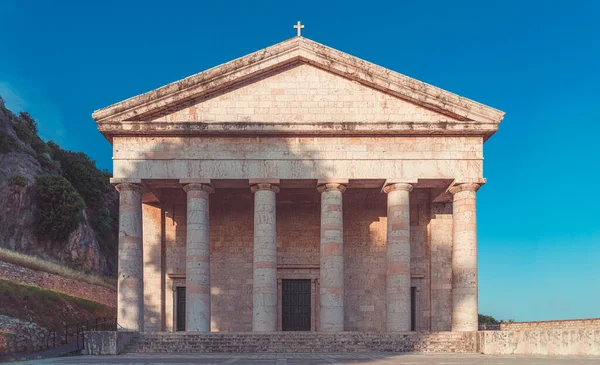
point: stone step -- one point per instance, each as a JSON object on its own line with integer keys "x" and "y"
{"x": 186, "y": 342}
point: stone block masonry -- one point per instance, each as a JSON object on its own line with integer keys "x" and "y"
{"x": 331, "y": 296}
{"x": 198, "y": 258}
{"x": 19, "y": 336}
{"x": 308, "y": 116}
{"x": 75, "y": 288}
{"x": 298, "y": 225}
{"x": 130, "y": 298}
{"x": 265, "y": 258}
{"x": 398, "y": 257}
{"x": 584, "y": 341}
{"x": 299, "y": 342}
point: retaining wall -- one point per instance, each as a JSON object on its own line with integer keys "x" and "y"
{"x": 583, "y": 341}
{"x": 73, "y": 287}
{"x": 107, "y": 342}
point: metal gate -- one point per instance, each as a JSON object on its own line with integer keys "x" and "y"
{"x": 295, "y": 305}
{"x": 180, "y": 308}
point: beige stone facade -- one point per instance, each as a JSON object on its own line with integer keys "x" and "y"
{"x": 298, "y": 162}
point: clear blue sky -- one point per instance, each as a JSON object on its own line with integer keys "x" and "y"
{"x": 539, "y": 226}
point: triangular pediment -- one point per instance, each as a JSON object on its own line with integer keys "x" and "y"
{"x": 298, "y": 86}
{"x": 297, "y": 93}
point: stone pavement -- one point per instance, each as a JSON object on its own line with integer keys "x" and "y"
{"x": 321, "y": 359}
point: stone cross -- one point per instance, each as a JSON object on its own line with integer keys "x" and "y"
{"x": 299, "y": 27}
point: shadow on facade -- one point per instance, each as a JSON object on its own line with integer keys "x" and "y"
{"x": 298, "y": 233}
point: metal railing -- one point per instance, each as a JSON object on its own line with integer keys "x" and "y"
{"x": 73, "y": 332}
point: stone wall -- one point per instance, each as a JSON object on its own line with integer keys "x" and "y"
{"x": 76, "y": 288}
{"x": 441, "y": 266}
{"x": 420, "y": 256}
{"x": 551, "y": 325}
{"x": 19, "y": 336}
{"x": 4, "y": 336}
{"x": 303, "y": 342}
{"x": 365, "y": 230}
{"x": 299, "y": 92}
{"x": 107, "y": 342}
{"x": 298, "y": 158}
{"x": 584, "y": 341}
{"x": 298, "y": 237}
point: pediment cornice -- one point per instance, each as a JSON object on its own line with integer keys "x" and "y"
{"x": 477, "y": 118}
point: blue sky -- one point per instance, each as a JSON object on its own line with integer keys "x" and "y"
{"x": 539, "y": 231}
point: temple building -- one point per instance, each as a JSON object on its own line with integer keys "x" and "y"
{"x": 298, "y": 188}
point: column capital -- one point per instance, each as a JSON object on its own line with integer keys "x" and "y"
{"x": 331, "y": 187}
{"x": 264, "y": 186}
{"x": 464, "y": 187}
{"x": 397, "y": 186}
{"x": 198, "y": 186}
{"x": 127, "y": 186}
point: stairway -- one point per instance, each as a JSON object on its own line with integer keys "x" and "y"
{"x": 301, "y": 342}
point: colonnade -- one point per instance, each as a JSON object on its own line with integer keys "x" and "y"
{"x": 331, "y": 293}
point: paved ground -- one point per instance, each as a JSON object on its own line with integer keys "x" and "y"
{"x": 321, "y": 359}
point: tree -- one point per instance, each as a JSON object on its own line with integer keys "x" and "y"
{"x": 59, "y": 207}
{"x": 483, "y": 319}
{"x": 81, "y": 171}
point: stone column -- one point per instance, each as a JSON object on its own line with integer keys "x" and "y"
{"x": 130, "y": 293}
{"x": 331, "y": 292}
{"x": 398, "y": 257}
{"x": 197, "y": 268}
{"x": 264, "y": 287}
{"x": 464, "y": 258}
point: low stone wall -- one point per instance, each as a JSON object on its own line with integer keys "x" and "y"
{"x": 551, "y": 325}
{"x": 20, "y": 336}
{"x": 585, "y": 341}
{"x": 79, "y": 289}
{"x": 107, "y": 342}
{"x": 303, "y": 342}
{"x": 3, "y": 342}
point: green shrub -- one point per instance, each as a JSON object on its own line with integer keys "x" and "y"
{"x": 26, "y": 128}
{"x": 483, "y": 319}
{"x": 29, "y": 122}
{"x": 103, "y": 221}
{"x": 18, "y": 180}
{"x": 81, "y": 171}
{"x": 59, "y": 207}
{"x": 47, "y": 162}
{"x": 7, "y": 142}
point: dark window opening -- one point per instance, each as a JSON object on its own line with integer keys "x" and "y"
{"x": 295, "y": 305}
{"x": 180, "y": 308}
{"x": 413, "y": 308}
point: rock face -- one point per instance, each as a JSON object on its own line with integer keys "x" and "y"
{"x": 82, "y": 249}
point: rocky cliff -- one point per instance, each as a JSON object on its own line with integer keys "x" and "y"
{"x": 91, "y": 242}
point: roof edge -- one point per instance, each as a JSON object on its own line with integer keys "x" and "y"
{"x": 311, "y": 52}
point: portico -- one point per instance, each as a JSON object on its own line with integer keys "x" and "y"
{"x": 298, "y": 181}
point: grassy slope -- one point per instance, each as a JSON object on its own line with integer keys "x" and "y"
{"x": 47, "y": 308}
{"x": 36, "y": 263}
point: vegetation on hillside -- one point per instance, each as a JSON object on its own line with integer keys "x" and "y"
{"x": 36, "y": 263}
{"x": 59, "y": 207}
{"x": 69, "y": 182}
{"x": 483, "y": 319}
{"x": 47, "y": 308}
{"x": 81, "y": 171}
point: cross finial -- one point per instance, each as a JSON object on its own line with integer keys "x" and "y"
{"x": 299, "y": 26}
